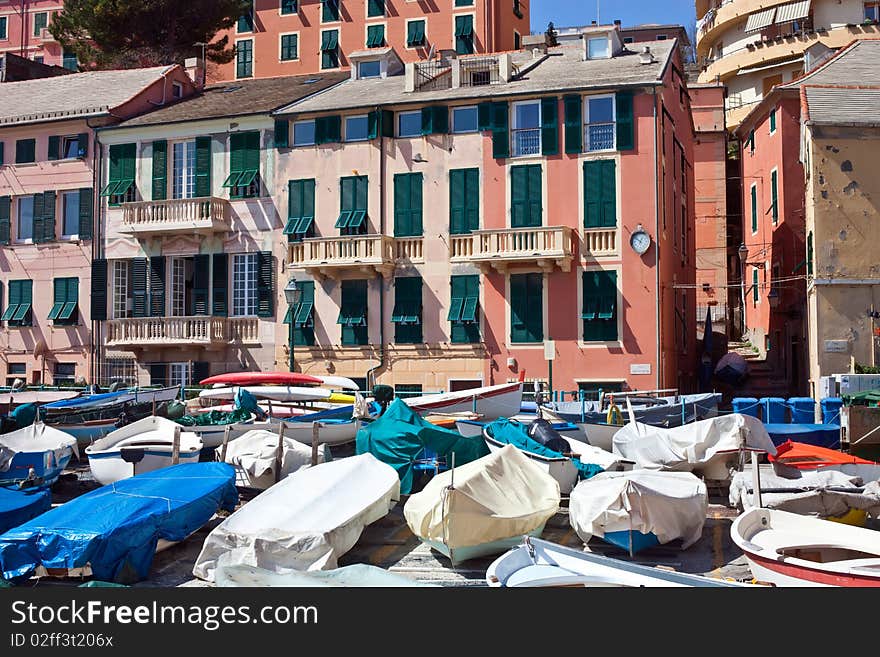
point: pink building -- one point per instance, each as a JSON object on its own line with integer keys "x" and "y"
{"x": 24, "y": 31}
{"x": 473, "y": 217}
{"x": 47, "y": 200}
{"x": 297, "y": 37}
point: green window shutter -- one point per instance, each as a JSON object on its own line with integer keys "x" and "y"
{"x": 201, "y": 284}
{"x": 59, "y": 297}
{"x": 464, "y": 35}
{"x": 201, "y": 370}
{"x": 48, "y": 218}
{"x": 387, "y": 123}
{"x": 773, "y": 121}
{"x": 526, "y": 308}
{"x": 282, "y": 133}
{"x": 5, "y": 219}
{"x": 415, "y": 34}
{"x": 375, "y": 36}
{"x": 600, "y": 194}
{"x": 300, "y": 209}
{"x": 408, "y": 204}
{"x": 330, "y": 11}
{"x": 574, "y": 127}
{"x": 302, "y": 316}
{"x": 82, "y": 145}
{"x": 435, "y": 120}
{"x": 536, "y": 194}
{"x": 751, "y": 141}
{"x": 755, "y": 292}
{"x": 54, "y": 147}
{"x": 526, "y": 207}
{"x": 484, "y": 115}
{"x": 373, "y": 124}
{"x": 375, "y": 8}
{"x": 754, "y": 209}
{"x": 810, "y": 253}
{"x": 407, "y": 314}
{"x": 157, "y": 286}
{"x": 328, "y": 129}
{"x": 500, "y": 131}
{"x": 86, "y": 213}
{"x": 774, "y": 194}
{"x": 549, "y": 126}
{"x": 288, "y": 7}
{"x": 625, "y": 122}
{"x": 203, "y": 167}
{"x": 353, "y": 313}
{"x": 608, "y": 212}
{"x": 38, "y": 218}
{"x": 25, "y": 151}
{"x": 139, "y": 305}
{"x": 220, "y": 285}
{"x": 289, "y": 47}
{"x": 100, "y": 288}
{"x": 599, "y": 306}
{"x": 160, "y": 170}
{"x": 463, "y": 309}
{"x": 464, "y": 201}
{"x": 265, "y": 284}
{"x": 2, "y": 160}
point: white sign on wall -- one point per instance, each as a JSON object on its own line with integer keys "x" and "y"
{"x": 642, "y": 368}
{"x": 837, "y": 346}
{"x": 549, "y": 350}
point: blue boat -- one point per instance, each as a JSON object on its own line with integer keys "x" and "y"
{"x": 35, "y": 456}
{"x": 19, "y": 506}
{"x": 113, "y": 532}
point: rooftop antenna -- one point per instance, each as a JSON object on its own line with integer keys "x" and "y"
{"x": 597, "y": 12}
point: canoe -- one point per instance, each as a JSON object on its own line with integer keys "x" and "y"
{"x": 484, "y": 507}
{"x": 35, "y": 456}
{"x": 253, "y": 456}
{"x": 279, "y": 378}
{"x": 19, "y": 506}
{"x": 537, "y": 562}
{"x": 788, "y": 549}
{"x": 801, "y": 457}
{"x": 140, "y": 447}
{"x": 113, "y": 532}
{"x": 306, "y": 521}
{"x": 490, "y": 402}
{"x": 275, "y": 393}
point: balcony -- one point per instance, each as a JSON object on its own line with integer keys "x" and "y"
{"x": 544, "y": 247}
{"x": 600, "y": 242}
{"x": 334, "y": 256}
{"x": 201, "y": 216}
{"x": 409, "y": 250}
{"x": 198, "y": 331}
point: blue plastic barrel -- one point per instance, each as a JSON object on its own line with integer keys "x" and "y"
{"x": 831, "y": 410}
{"x": 803, "y": 410}
{"x": 773, "y": 410}
{"x": 745, "y": 406}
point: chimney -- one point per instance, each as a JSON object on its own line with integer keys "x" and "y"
{"x": 593, "y": 23}
{"x": 195, "y": 69}
{"x": 617, "y": 23}
{"x": 646, "y": 56}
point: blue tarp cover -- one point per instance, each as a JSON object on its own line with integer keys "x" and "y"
{"x": 516, "y": 434}
{"x": 400, "y": 436}
{"x": 822, "y": 435}
{"x": 115, "y": 528}
{"x": 19, "y": 506}
{"x": 86, "y": 400}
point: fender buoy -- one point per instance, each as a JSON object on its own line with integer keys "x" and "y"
{"x": 614, "y": 415}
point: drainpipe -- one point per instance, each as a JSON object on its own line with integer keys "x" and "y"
{"x": 657, "y": 247}
{"x": 97, "y": 163}
{"x": 381, "y": 365}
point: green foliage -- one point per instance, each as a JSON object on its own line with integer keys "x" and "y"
{"x": 131, "y": 33}
{"x": 866, "y": 369}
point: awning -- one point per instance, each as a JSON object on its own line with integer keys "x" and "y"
{"x": 760, "y": 19}
{"x": 794, "y": 11}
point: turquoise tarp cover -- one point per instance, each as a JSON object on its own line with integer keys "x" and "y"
{"x": 19, "y": 506}
{"x": 214, "y": 418}
{"x": 24, "y": 415}
{"x": 116, "y": 528}
{"x": 400, "y": 435}
{"x": 517, "y": 434}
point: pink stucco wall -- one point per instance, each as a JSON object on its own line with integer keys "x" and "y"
{"x": 20, "y": 39}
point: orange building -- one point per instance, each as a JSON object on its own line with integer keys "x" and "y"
{"x": 24, "y": 31}
{"x": 297, "y": 37}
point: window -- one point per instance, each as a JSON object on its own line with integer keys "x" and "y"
{"x": 517, "y": 8}
{"x": 179, "y": 306}
{"x": 464, "y": 35}
{"x": 407, "y": 314}
{"x": 64, "y": 374}
{"x": 3, "y": 32}
{"x": 65, "y": 301}
{"x": 526, "y": 192}
{"x": 754, "y": 208}
{"x": 121, "y": 303}
{"x": 329, "y": 11}
{"x": 25, "y": 218}
{"x": 517, "y": 40}
{"x": 527, "y": 128}
{"x": 25, "y": 151}
{"x": 407, "y": 390}
{"x": 353, "y": 313}
{"x": 288, "y": 7}
{"x": 600, "y": 194}
{"x": 41, "y": 20}
{"x": 70, "y": 147}
{"x": 599, "y": 306}
{"x": 464, "y": 201}
{"x": 304, "y": 133}
{"x": 526, "y": 308}
{"x": 179, "y": 374}
{"x": 68, "y": 61}
{"x": 369, "y": 69}
{"x": 464, "y": 3}
{"x": 415, "y": 34}
{"x": 244, "y": 165}
{"x": 120, "y": 187}
{"x": 409, "y": 124}
{"x": 599, "y": 123}
{"x": 123, "y": 370}
{"x": 18, "y": 311}
{"x": 751, "y": 142}
{"x": 300, "y": 209}
{"x": 465, "y": 119}
{"x": 375, "y": 36}
{"x": 183, "y": 169}
{"x": 39, "y": 59}
{"x": 15, "y": 371}
{"x": 756, "y": 295}
{"x": 245, "y": 22}
{"x": 244, "y": 59}
{"x": 70, "y": 206}
{"x": 353, "y": 191}
{"x": 289, "y": 47}
{"x": 356, "y": 128}
{"x": 597, "y": 48}
{"x": 176, "y": 90}
{"x": 244, "y": 284}
{"x": 302, "y": 316}
{"x": 661, "y": 37}
{"x": 463, "y": 313}
{"x": 772, "y": 121}
{"x": 375, "y": 8}
{"x": 329, "y": 48}
{"x": 628, "y": 40}
{"x": 408, "y": 204}
{"x": 774, "y": 195}
{"x": 872, "y": 11}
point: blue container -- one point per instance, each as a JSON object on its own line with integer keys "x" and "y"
{"x": 831, "y": 410}
{"x": 773, "y": 410}
{"x": 803, "y": 410}
{"x": 745, "y": 406}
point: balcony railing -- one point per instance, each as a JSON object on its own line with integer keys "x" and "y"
{"x": 409, "y": 249}
{"x": 185, "y": 215}
{"x": 600, "y": 242}
{"x": 202, "y": 331}
{"x": 331, "y": 256}
{"x": 544, "y": 247}
{"x": 526, "y": 141}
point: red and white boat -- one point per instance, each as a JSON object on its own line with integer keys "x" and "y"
{"x": 811, "y": 458}
{"x": 788, "y": 549}
{"x": 490, "y": 402}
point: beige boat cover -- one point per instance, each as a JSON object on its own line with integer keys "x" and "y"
{"x": 671, "y": 505}
{"x": 502, "y": 495}
{"x": 254, "y": 453}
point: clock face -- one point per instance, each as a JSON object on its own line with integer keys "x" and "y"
{"x": 640, "y": 242}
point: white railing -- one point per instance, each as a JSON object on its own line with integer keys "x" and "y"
{"x": 600, "y": 242}
{"x": 526, "y": 141}
{"x": 245, "y": 330}
{"x": 409, "y": 248}
{"x": 196, "y": 330}
{"x": 342, "y": 251}
{"x": 461, "y": 247}
{"x": 514, "y": 244}
{"x": 209, "y": 213}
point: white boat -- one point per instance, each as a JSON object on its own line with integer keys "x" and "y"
{"x": 599, "y": 434}
{"x": 483, "y": 507}
{"x": 139, "y": 447}
{"x": 491, "y": 402}
{"x": 541, "y": 563}
{"x": 659, "y": 411}
{"x": 306, "y": 521}
{"x": 710, "y": 448}
{"x": 35, "y": 456}
{"x": 788, "y": 549}
{"x": 253, "y": 455}
{"x": 355, "y": 575}
{"x": 330, "y": 431}
{"x": 561, "y": 468}
{"x": 212, "y": 435}
{"x": 275, "y": 393}
{"x": 469, "y": 428}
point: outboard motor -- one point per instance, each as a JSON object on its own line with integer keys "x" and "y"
{"x": 542, "y": 431}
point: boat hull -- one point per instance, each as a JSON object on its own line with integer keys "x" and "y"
{"x": 600, "y": 435}
{"x": 329, "y": 433}
{"x": 562, "y": 470}
{"x": 461, "y": 554}
{"x": 491, "y": 403}
{"x": 108, "y": 467}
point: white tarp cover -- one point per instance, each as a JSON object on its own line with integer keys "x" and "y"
{"x": 37, "y": 437}
{"x": 306, "y": 521}
{"x": 359, "y": 575}
{"x": 692, "y": 446}
{"x": 502, "y": 495}
{"x": 670, "y": 505}
{"x": 254, "y": 453}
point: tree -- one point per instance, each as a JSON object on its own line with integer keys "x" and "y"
{"x": 128, "y": 33}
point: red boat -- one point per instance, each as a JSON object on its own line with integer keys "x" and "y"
{"x": 262, "y": 378}
{"x": 802, "y": 456}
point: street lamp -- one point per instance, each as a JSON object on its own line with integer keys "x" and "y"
{"x": 292, "y": 294}
{"x": 743, "y": 256}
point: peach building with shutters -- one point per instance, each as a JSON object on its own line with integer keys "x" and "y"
{"x": 47, "y": 201}
{"x": 24, "y": 31}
